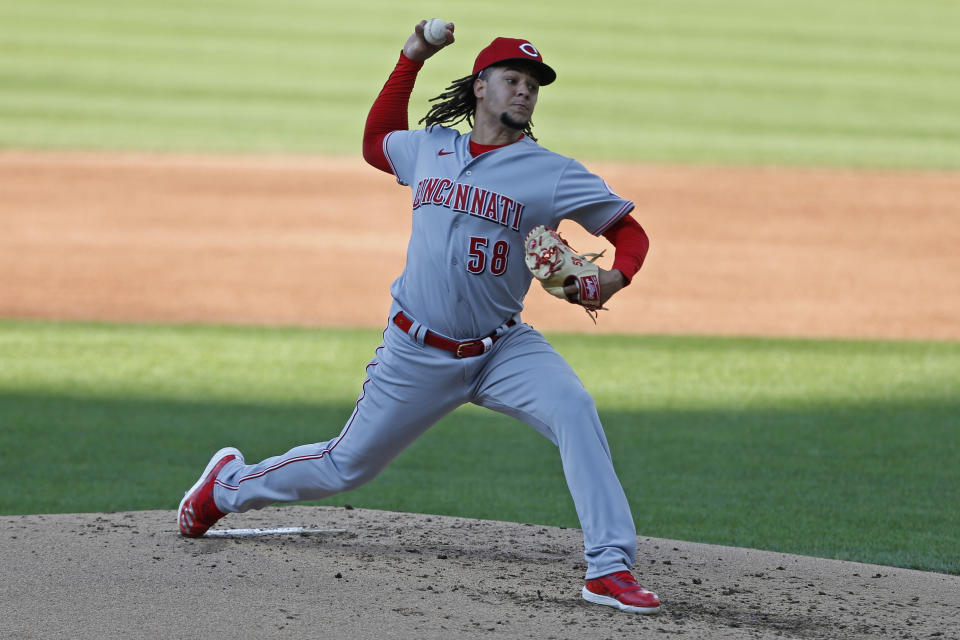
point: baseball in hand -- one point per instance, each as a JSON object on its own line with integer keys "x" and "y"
{"x": 435, "y": 32}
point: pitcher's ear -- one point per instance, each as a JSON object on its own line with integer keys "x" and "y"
{"x": 478, "y": 85}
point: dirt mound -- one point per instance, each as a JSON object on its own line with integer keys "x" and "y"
{"x": 399, "y": 575}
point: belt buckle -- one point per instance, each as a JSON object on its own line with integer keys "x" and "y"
{"x": 468, "y": 343}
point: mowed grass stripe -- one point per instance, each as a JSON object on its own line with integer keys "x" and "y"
{"x": 750, "y": 147}
{"x": 682, "y": 373}
{"x": 192, "y": 93}
{"x": 828, "y": 52}
{"x": 621, "y": 26}
{"x": 261, "y": 135}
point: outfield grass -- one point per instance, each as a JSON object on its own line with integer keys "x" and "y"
{"x": 856, "y": 83}
{"x": 842, "y": 449}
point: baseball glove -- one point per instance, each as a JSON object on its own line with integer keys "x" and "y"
{"x": 557, "y": 266}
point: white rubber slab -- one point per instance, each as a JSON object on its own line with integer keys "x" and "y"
{"x": 251, "y": 533}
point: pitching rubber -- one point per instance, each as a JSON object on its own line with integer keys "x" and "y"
{"x": 596, "y": 598}
{"x": 217, "y": 457}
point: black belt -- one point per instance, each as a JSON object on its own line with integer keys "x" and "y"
{"x": 459, "y": 348}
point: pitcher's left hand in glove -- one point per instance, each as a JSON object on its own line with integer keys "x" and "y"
{"x": 563, "y": 272}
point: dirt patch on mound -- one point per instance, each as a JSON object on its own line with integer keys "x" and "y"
{"x": 397, "y": 575}
{"x": 317, "y": 241}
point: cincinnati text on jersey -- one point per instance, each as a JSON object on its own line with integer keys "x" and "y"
{"x": 469, "y": 199}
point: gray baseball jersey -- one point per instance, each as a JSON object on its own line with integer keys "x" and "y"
{"x": 465, "y": 276}
{"x": 465, "y": 272}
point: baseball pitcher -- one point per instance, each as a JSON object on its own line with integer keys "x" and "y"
{"x": 485, "y": 207}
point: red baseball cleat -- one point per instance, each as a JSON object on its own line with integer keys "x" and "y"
{"x": 198, "y": 512}
{"x": 621, "y": 590}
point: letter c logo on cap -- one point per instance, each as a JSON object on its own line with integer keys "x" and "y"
{"x": 530, "y": 50}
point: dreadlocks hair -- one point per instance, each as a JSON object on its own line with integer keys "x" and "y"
{"x": 454, "y": 105}
{"x": 457, "y": 103}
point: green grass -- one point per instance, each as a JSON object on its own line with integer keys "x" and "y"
{"x": 858, "y": 83}
{"x": 841, "y": 449}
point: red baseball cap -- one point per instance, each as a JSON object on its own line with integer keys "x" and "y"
{"x": 503, "y": 49}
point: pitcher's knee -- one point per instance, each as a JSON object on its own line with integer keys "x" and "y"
{"x": 355, "y": 473}
{"x": 575, "y": 401}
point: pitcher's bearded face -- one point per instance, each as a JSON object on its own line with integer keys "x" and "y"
{"x": 510, "y": 94}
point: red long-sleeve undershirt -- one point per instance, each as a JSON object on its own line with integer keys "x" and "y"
{"x": 389, "y": 113}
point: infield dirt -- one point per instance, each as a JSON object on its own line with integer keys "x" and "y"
{"x": 316, "y": 242}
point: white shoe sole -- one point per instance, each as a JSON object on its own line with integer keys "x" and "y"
{"x": 596, "y": 598}
{"x": 217, "y": 457}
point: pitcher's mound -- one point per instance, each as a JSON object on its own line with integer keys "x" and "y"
{"x": 398, "y": 575}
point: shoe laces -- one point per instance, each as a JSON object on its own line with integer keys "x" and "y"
{"x": 619, "y": 582}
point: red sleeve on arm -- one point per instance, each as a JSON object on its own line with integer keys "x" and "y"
{"x": 389, "y": 111}
{"x": 632, "y": 244}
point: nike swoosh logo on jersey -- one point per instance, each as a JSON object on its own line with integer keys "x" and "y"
{"x": 443, "y": 153}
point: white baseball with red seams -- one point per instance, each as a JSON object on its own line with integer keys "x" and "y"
{"x": 435, "y": 31}
{"x": 465, "y": 279}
